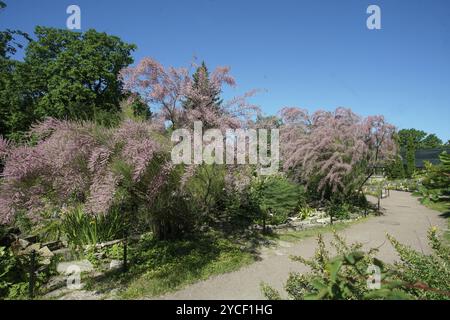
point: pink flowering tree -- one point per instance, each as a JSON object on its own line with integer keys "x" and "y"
{"x": 334, "y": 152}
{"x": 72, "y": 163}
{"x": 168, "y": 89}
{"x": 179, "y": 98}
{"x": 127, "y": 167}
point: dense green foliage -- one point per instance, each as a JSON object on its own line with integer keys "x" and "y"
{"x": 424, "y": 276}
{"x": 410, "y": 158}
{"x": 275, "y": 197}
{"x": 82, "y": 229}
{"x": 420, "y": 139}
{"x": 408, "y": 142}
{"x": 86, "y": 161}
{"x": 435, "y": 181}
{"x": 64, "y": 75}
{"x": 15, "y": 273}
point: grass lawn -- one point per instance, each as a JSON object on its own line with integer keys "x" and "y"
{"x": 160, "y": 267}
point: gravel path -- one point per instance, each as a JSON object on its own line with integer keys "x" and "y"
{"x": 404, "y": 218}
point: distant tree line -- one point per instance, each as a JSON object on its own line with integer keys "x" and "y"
{"x": 408, "y": 142}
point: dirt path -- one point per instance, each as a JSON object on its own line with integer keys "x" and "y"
{"x": 405, "y": 218}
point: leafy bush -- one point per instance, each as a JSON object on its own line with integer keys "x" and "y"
{"x": 275, "y": 197}
{"x": 428, "y": 274}
{"x": 435, "y": 180}
{"x": 337, "y": 210}
{"x": 331, "y": 277}
{"x": 346, "y": 275}
{"x": 8, "y": 274}
{"x": 14, "y": 274}
{"x": 99, "y": 257}
{"x": 83, "y": 229}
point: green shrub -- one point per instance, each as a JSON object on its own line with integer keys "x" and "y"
{"x": 345, "y": 275}
{"x": 15, "y": 271}
{"x": 275, "y": 197}
{"x": 337, "y": 210}
{"x": 83, "y": 229}
{"x": 305, "y": 212}
{"x": 428, "y": 274}
{"x": 8, "y": 274}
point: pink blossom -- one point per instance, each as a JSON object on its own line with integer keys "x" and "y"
{"x": 332, "y": 145}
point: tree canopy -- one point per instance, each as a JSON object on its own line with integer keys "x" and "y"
{"x": 420, "y": 139}
{"x": 65, "y": 75}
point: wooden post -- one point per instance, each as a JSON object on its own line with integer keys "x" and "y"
{"x": 125, "y": 247}
{"x": 264, "y": 224}
{"x": 32, "y": 279}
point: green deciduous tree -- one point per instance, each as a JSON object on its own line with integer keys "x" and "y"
{"x": 431, "y": 141}
{"x": 396, "y": 170}
{"x": 9, "y": 100}
{"x": 65, "y": 75}
{"x": 421, "y": 139}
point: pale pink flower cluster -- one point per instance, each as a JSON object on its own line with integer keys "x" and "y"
{"x": 332, "y": 145}
{"x": 73, "y": 161}
{"x": 168, "y": 88}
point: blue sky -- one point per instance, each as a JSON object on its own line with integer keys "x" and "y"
{"x": 315, "y": 54}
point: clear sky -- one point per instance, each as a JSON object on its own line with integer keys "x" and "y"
{"x": 315, "y": 54}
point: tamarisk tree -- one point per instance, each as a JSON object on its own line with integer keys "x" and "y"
{"x": 182, "y": 99}
{"x": 81, "y": 162}
{"x": 334, "y": 151}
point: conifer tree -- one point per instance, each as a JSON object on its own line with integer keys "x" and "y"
{"x": 207, "y": 93}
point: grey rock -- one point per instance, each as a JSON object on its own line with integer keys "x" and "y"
{"x": 65, "y": 253}
{"x": 115, "y": 264}
{"x": 23, "y": 243}
{"x": 82, "y": 266}
{"x": 45, "y": 252}
{"x": 34, "y": 247}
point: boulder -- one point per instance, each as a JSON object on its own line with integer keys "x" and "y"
{"x": 31, "y": 248}
{"x": 45, "y": 252}
{"x": 115, "y": 264}
{"x": 23, "y": 243}
{"x": 66, "y": 254}
{"x": 100, "y": 255}
{"x": 70, "y": 266}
